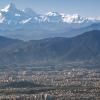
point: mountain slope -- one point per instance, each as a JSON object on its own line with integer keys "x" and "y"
{"x": 85, "y": 47}
{"x": 4, "y": 42}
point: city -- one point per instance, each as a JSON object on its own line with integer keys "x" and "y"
{"x": 62, "y": 84}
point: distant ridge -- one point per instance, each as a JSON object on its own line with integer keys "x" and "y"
{"x": 85, "y": 48}
{"x": 5, "y": 41}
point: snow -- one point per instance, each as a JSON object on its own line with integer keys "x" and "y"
{"x": 11, "y": 14}
{"x": 2, "y": 19}
{"x": 9, "y": 7}
{"x": 17, "y": 15}
{"x": 25, "y": 21}
{"x": 52, "y": 14}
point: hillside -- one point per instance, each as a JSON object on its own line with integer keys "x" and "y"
{"x": 85, "y": 47}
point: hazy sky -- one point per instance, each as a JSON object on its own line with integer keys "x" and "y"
{"x": 82, "y": 7}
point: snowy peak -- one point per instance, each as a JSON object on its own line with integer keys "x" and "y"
{"x": 53, "y": 17}
{"x": 11, "y": 15}
{"x": 75, "y": 18}
{"x": 52, "y": 14}
{"x": 9, "y": 7}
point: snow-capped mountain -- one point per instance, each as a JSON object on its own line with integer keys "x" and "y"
{"x": 27, "y": 24}
{"x": 11, "y": 14}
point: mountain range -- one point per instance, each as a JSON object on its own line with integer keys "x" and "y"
{"x": 28, "y": 25}
{"x": 81, "y": 48}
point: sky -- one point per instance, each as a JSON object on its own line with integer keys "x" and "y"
{"x": 90, "y": 8}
